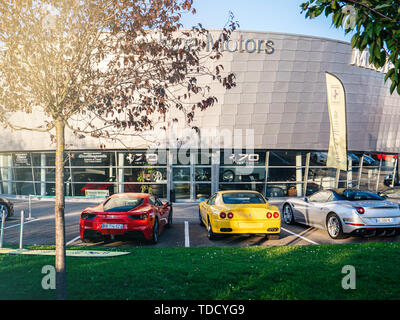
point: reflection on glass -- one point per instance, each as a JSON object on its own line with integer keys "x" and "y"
{"x": 203, "y": 190}
{"x": 282, "y": 174}
{"x": 51, "y": 159}
{"x": 181, "y": 174}
{"x": 180, "y": 157}
{"x": 23, "y": 174}
{"x": 242, "y": 174}
{"x": 89, "y": 179}
{"x": 324, "y": 177}
{"x": 182, "y": 191}
{"x": 159, "y": 190}
{"x": 242, "y": 186}
{"x": 312, "y": 188}
{"x": 4, "y": 186}
{"x": 4, "y": 173}
{"x": 203, "y": 174}
{"x": 51, "y": 189}
{"x": 285, "y": 158}
{"x": 203, "y": 158}
{"x": 158, "y": 175}
{"x": 25, "y": 188}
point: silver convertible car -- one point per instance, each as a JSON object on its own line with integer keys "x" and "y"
{"x": 345, "y": 212}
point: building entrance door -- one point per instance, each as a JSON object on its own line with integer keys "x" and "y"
{"x": 190, "y": 183}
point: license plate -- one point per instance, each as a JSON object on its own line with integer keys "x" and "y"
{"x": 112, "y": 226}
{"x": 250, "y": 225}
{"x": 384, "y": 220}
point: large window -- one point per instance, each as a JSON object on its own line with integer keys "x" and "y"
{"x": 193, "y": 174}
{"x": 143, "y": 171}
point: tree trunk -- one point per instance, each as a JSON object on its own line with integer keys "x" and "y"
{"x": 61, "y": 274}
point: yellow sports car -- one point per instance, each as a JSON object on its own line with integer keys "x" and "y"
{"x": 239, "y": 212}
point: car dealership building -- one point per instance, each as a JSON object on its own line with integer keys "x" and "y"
{"x": 279, "y": 105}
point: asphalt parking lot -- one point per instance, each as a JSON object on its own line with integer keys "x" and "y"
{"x": 186, "y": 230}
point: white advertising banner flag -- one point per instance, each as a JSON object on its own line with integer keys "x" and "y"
{"x": 337, "y": 155}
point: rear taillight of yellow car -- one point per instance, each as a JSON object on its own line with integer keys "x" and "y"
{"x": 270, "y": 215}
{"x": 223, "y": 215}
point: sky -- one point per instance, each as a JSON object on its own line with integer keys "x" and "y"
{"x": 263, "y": 15}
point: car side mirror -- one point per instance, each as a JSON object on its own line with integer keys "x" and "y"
{"x": 305, "y": 199}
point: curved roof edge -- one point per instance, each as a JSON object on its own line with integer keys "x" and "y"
{"x": 284, "y": 33}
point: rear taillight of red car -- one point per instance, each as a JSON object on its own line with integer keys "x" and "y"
{"x": 142, "y": 216}
{"x": 88, "y": 216}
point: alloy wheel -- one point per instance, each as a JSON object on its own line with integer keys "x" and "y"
{"x": 333, "y": 226}
{"x": 287, "y": 214}
{"x": 4, "y": 208}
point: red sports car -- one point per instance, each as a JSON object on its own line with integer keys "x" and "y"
{"x": 133, "y": 215}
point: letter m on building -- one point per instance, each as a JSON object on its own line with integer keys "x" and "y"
{"x": 360, "y": 59}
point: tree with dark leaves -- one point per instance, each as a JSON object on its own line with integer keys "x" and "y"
{"x": 101, "y": 68}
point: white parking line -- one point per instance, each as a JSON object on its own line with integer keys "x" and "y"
{"x": 18, "y": 224}
{"x": 73, "y": 240}
{"x": 299, "y": 236}
{"x": 44, "y": 218}
{"x": 187, "y": 242}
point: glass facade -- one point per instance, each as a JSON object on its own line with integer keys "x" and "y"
{"x": 191, "y": 175}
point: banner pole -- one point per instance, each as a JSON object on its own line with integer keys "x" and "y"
{"x": 338, "y": 141}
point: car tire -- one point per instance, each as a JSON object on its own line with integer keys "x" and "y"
{"x": 287, "y": 212}
{"x": 334, "y": 226}
{"x": 3, "y": 206}
{"x": 169, "y": 224}
{"x": 200, "y": 219}
{"x": 210, "y": 233}
{"x": 154, "y": 239}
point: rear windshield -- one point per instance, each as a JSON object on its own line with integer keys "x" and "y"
{"x": 242, "y": 198}
{"x": 355, "y": 195}
{"x": 124, "y": 204}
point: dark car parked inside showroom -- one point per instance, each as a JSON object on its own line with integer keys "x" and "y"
{"x": 7, "y": 207}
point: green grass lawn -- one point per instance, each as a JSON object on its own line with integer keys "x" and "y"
{"x": 298, "y": 272}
